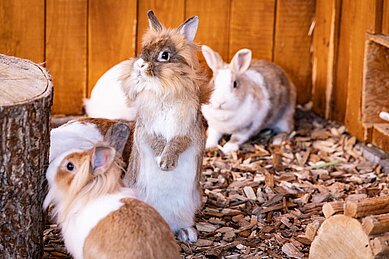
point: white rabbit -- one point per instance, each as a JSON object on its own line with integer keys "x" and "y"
{"x": 248, "y": 96}
{"x": 99, "y": 218}
{"x": 108, "y": 99}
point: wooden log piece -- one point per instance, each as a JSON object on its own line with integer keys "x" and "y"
{"x": 341, "y": 237}
{"x": 375, "y": 225}
{"x": 332, "y": 208}
{"x": 366, "y": 207}
{"x": 380, "y": 246}
{"x": 25, "y": 107}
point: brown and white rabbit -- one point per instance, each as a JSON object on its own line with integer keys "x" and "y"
{"x": 165, "y": 87}
{"x": 248, "y": 96}
{"x": 99, "y": 218}
{"x": 107, "y": 98}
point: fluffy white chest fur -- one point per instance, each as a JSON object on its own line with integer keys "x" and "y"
{"x": 82, "y": 220}
{"x": 174, "y": 193}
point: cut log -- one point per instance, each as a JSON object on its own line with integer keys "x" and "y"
{"x": 332, "y": 208}
{"x": 375, "y": 225}
{"x": 366, "y": 207}
{"x": 380, "y": 246}
{"x": 341, "y": 237}
{"x": 25, "y": 107}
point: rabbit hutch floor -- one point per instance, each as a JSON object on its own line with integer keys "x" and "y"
{"x": 259, "y": 201}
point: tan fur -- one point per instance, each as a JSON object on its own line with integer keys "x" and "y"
{"x": 134, "y": 231}
{"x": 80, "y": 185}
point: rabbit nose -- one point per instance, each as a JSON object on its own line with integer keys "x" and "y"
{"x": 141, "y": 63}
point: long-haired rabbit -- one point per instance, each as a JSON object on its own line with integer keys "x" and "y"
{"x": 83, "y": 133}
{"x": 99, "y": 218}
{"x": 248, "y": 96}
{"x": 107, "y": 98}
{"x": 165, "y": 86}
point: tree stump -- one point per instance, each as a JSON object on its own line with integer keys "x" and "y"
{"x": 362, "y": 232}
{"x": 25, "y": 108}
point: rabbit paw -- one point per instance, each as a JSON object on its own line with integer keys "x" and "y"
{"x": 167, "y": 163}
{"x": 188, "y": 235}
{"x": 229, "y": 147}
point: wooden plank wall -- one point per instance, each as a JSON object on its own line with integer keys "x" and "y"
{"x": 338, "y": 57}
{"x": 80, "y": 39}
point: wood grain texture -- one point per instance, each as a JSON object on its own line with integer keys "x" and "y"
{"x": 22, "y": 29}
{"x": 340, "y": 237}
{"x": 380, "y": 136}
{"x": 111, "y": 35}
{"x": 385, "y": 17}
{"x": 214, "y": 24}
{"x": 66, "y": 53}
{"x": 292, "y": 43}
{"x": 339, "y": 91}
{"x": 325, "y": 42}
{"x": 252, "y": 26}
{"x": 170, "y": 13}
{"x": 24, "y": 153}
{"x": 364, "y": 19}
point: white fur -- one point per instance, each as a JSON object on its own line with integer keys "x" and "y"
{"x": 171, "y": 193}
{"x": 384, "y": 116}
{"x": 226, "y": 114}
{"x": 73, "y": 135}
{"x": 236, "y": 114}
{"x": 107, "y": 98}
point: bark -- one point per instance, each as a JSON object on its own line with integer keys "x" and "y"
{"x": 24, "y": 150}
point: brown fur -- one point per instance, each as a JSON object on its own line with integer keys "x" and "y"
{"x": 81, "y": 184}
{"x": 134, "y": 231}
{"x": 282, "y": 93}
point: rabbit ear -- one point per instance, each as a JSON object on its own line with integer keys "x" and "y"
{"x": 117, "y": 136}
{"x": 189, "y": 28}
{"x": 212, "y": 58}
{"x": 241, "y": 61}
{"x": 154, "y": 24}
{"x": 102, "y": 158}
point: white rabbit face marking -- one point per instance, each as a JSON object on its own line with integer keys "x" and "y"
{"x": 223, "y": 96}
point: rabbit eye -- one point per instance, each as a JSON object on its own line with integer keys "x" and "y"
{"x": 163, "y": 56}
{"x": 236, "y": 84}
{"x": 70, "y": 166}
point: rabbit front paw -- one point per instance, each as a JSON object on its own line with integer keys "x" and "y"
{"x": 167, "y": 162}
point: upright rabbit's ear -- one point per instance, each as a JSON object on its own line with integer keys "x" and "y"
{"x": 102, "y": 159}
{"x": 212, "y": 58}
{"x": 189, "y": 28}
{"x": 241, "y": 61}
{"x": 154, "y": 24}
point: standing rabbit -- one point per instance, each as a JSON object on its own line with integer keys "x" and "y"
{"x": 248, "y": 96}
{"x": 169, "y": 138}
{"x": 107, "y": 99}
{"x": 98, "y": 217}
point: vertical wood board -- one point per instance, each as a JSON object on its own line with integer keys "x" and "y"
{"x": 22, "y": 29}
{"x": 292, "y": 43}
{"x": 252, "y": 26}
{"x": 111, "y": 35}
{"x": 66, "y": 53}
